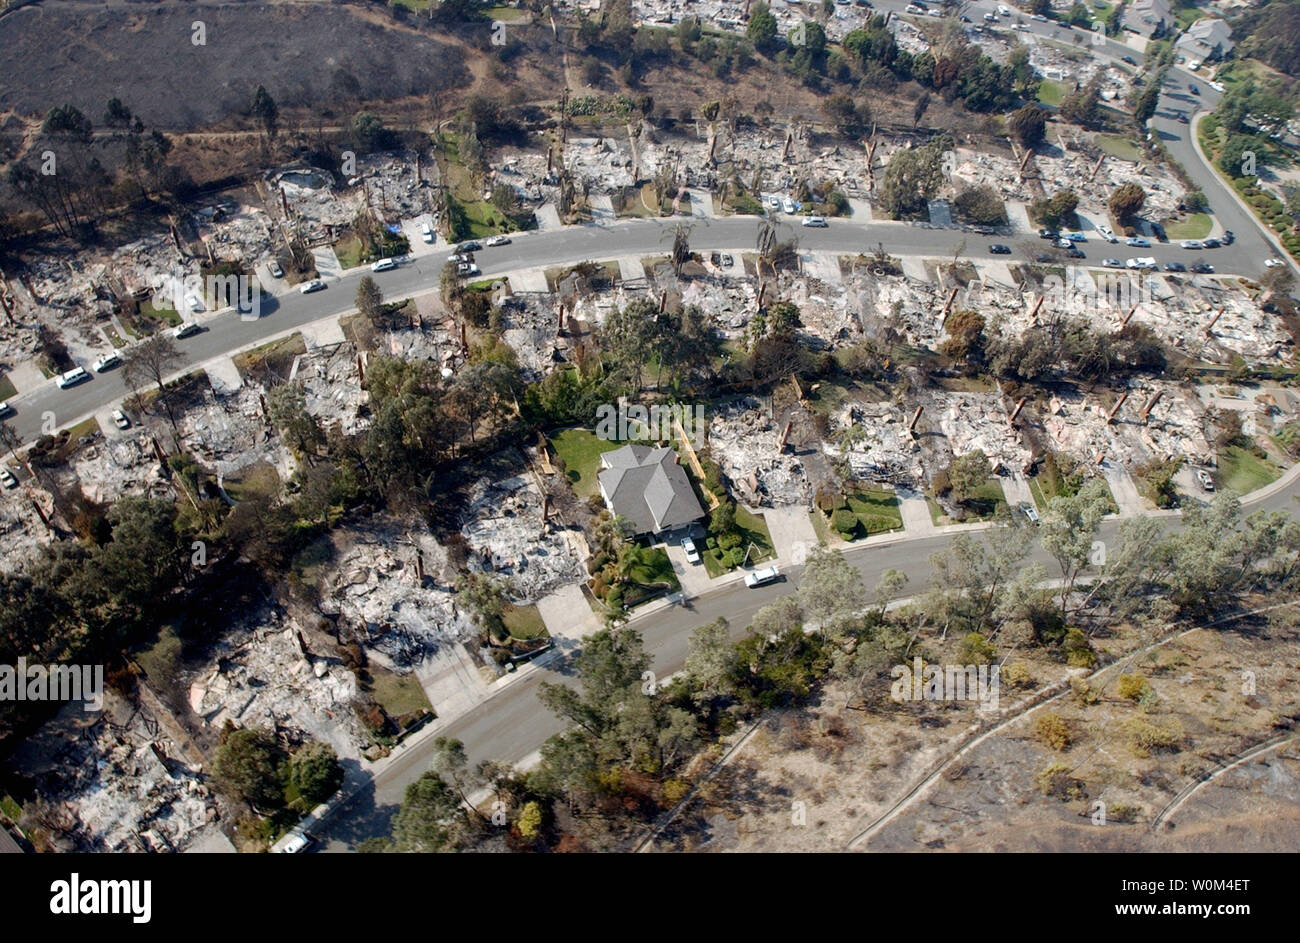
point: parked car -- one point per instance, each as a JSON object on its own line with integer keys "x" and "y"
{"x": 1228, "y": 237}
{"x": 1030, "y": 512}
{"x": 1074, "y": 252}
{"x": 1203, "y": 268}
{"x": 467, "y": 268}
{"x": 274, "y": 268}
{"x": 1107, "y": 233}
{"x": 498, "y": 241}
{"x": 692, "y": 554}
{"x": 1063, "y": 243}
{"x": 1023, "y": 27}
{"x": 5, "y": 408}
{"x": 1191, "y": 87}
{"x": 1175, "y": 267}
{"x": 1076, "y": 237}
{"x": 1112, "y": 263}
{"x": 314, "y": 285}
{"x": 426, "y": 232}
{"x": 774, "y": 202}
{"x": 1211, "y": 243}
{"x": 7, "y": 478}
{"x": 990, "y": 18}
{"x": 470, "y": 246}
{"x": 1191, "y": 244}
{"x": 762, "y": 577}
{"x": 194, "y": 303}
{"x": 120, "y": 420}
{"x": 72, "y": 377}
{"x": 816, "y": 222}
{"x": 1138, "y": 242}
{"x": 107, "y": 362}
{"x": 383, "y": 265}
{"x": 727, "y": 260}
{"x": 788, "y": 205}
{"x": 185, "y": 329}
{"x": 1049, "y": 234}
{"x": 1273, "y": 263}
{"x": 1043, "y": 257}
{"x": 299, "y": 841}
{"x": 1129, "y": 59}
{"x": 1204, "y": 480}
{"x": 1039, "y": 17}
{"x": 998, "y": 249}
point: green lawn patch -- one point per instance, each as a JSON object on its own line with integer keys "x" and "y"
{"x": 1051, "y": 93}
{"x": 349, "y": 249}
{"x": 861, "y": 513}
{"x": 165, "y": 315}
{"x": 987, "y": 502}
{"x": 1243, "y": 471}
{"x": 649, "y": 576}
{"x": 6, "y": 387}
{"x": 524, "y": 622}
{"x": 1117, "y": 145}
{"x": 1195, "y": 226}
{"x": 399, "y": 695}
{"x": 10, "y": 808}
{"x": 580, "y": 451}
{"x": 754, "y": 538}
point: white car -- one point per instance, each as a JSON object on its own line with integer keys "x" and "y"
{"x": 274, "y": 268}
{"x": 7, "y": 478}
{"x": 935, "y": 13}
{"x": 1023, "y": 27}
{"x": 107, "y": 362}
{"x": 120, "y": 420}
{"x": 426, "y": 232}
{"x": 1039, "y": 17}
{"x": 383, "y": 265}
{"x": 1112, "y": 263}
{"x": 990, "y": 17}
{"x": 5, "y": 408}
{"x": 1107, "y": 233}
{"x": 816, "y": 222}
{"x": 467, "y": 268}
{"x": 72, "y": 377}
{"x": 498, "y": 241}
{"x": 1273, "y": 263}
{"x": 185, "y": 330}
{"x": 692, "y": 554}
{"x": 774, "y": 202}
{"x": 1147, "y": 262}
{"x": 298, "y": 842}
{"x": 1203, "y": 478}
{"x": 314, "y": 285}
{"x": 1191, "y": 244}
{"x": 788, "y": 205}
{"x": 762, "y": 577}
{"x": 195, "y": 305}
{"x": 1064, "y": 243}
{"x": 1137, "y": 242}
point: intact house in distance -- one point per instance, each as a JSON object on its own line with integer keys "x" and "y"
{"x": 648, "y": 489}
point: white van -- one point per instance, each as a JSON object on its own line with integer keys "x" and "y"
{"x": 72, "y": 377}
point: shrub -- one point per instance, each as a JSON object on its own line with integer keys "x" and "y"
{"x": 975, "y": 649}
{"x": 1121, "y": 812}
{"x": 1145, "y": 736}
{"x": 1132, "y": 687}
{"x": 1055, "y": 780}
{"x": 1078, "y": 650}
{"x": 1016, "y": 675}
{"x": 1052, "y": 729}
{"x": 844, "y": 521}
{"x": 674, "y": 791}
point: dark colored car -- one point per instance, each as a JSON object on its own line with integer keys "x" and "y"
{"x": 1228, "y": 237}
{"x": 1000, "y": 249}
{"x": 1211, "y": 243}
{"x": 1191, "y": 87}
{"x": 1049, "y": 234}
{"x": 1202, "y": 268}
{"x": 1075, "y": 252}
{"x": 1129, "y": 59}
{"x": 1043, "y": 257}
{"x": 1175, "y": 267}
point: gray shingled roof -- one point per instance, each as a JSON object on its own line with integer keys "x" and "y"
{"x": 647, "y": 488}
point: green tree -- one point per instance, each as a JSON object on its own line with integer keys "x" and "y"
{"x": 315, "y": 773}
{"x": 762, "y": 28}
{"x": 265, "y": 110}
{"x": 287, "y": 405}
{"x": 1127, "y": 201}
{"x": 1028, "y": 123}
{"x": 249, "y": 764}
{"x": 831, "y": 590}
{"x": 431, "y": 818}
{"x": 1069, "y": 527}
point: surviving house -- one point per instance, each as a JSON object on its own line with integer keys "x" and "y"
{"x": 1149, "y": 18}
{"x": 646, "y": 487}
{"x": 1208, "y": 38}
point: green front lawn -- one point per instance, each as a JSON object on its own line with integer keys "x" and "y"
{"x": 1051, "y": 93}
{"x": 524, "y": 622}
{"x": 1196, "y": 226}
{"x": 754, "y": 538}
{"x": 399, "y": 695}
{"x": 1116, "y": 145}
{"x": 580, "y": 451}
{"x": 986, "y": 503}
{"x": 650, "y": 575}
{"x": 863, "y": 513}
{"x": 349, "y": 249}
{"x": 1242, "y": 471}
